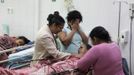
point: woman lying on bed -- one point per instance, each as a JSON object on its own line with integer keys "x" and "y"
{"x": 47, "y": 67}
{"x": 7, "y": 42}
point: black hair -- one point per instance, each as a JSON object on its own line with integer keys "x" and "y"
{"x": 100, "y": 33}
{"x": 88, "y": 46}
{"x": 73, "y": 15}
{"x": 26, "y": 41}
{"x": 55, "y": 18}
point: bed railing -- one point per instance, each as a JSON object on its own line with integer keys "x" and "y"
{"x": 13, "y": 49}
{"x": 3, "y": 61}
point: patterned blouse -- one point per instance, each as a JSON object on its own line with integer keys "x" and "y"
{"x": 6, "y": 42}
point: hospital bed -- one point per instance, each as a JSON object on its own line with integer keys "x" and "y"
{"x": 19, "y": 47}
{"x": 24, "y": 55}
{"x": 25, "y": 63}
{"x": 19, "y": 59}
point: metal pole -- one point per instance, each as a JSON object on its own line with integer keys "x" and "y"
{"x": 12, "y": 49}
{"x": 130, "y": 45}
{"x": 119, "y": 20}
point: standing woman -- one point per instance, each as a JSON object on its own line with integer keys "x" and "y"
{"x": 72, "y": 36}
{"x": 45, "y": 44}
{"x": 104, "y": 56}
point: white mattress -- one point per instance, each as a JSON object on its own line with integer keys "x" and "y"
{"x": 28, "y": 51}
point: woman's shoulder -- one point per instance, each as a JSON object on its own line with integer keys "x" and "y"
{"x": 104, "y": 46}
{"x": 99, "y": 45}
{"x": 45, "y": 36}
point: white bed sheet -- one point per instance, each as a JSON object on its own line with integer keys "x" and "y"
{"x": 28, "y": 51}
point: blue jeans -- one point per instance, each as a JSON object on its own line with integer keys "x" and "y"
{"x": 16, "y": 62}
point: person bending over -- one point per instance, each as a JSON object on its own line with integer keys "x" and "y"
{"x": 104, "y": 56}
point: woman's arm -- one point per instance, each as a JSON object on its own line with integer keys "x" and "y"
{"x": 83, "y": 36}
{"x": 88, "y": 60}
{"x": 49, "y": 45}
{"x": 66, "y": 39}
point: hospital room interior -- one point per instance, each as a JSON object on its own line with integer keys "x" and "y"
{"x": 66, "y": 37}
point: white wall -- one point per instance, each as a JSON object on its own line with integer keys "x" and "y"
{"x": 48, "y": 7}
{"x": 96, "y": 12}
{"x": 20, "y": 16}
{"x": 29, "y": 15}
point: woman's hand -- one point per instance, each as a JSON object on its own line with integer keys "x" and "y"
{"x": 75, "y": 27}
{"x": 76, "y": 55}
